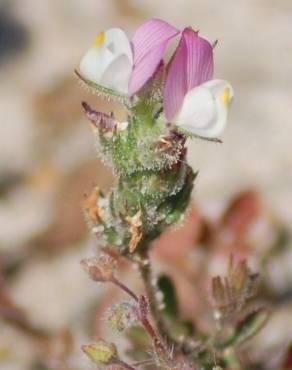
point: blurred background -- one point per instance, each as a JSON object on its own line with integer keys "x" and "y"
{"x": 48, "y": 160}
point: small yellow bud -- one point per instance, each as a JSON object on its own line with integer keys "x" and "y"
{"x": 101, "y": 352}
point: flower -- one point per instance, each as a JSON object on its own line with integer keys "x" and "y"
{"x": 205, "y": 108}
{"x": 115, "y": 63}
{"x": 149, "y": 44}
{"x": 192, "y": 100}
{"x": 109, "y": 61}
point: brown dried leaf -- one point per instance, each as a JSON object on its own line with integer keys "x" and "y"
{"x": 91, "y": 206}
{"x": 135, "y": 223}
{"x": 231, "y": 293}
{"x": 99, "y": 268}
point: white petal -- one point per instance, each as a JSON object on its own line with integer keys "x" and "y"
{"x": 109, "y": 62}
{"x": 118, "y": 43}
{"x": 94, "y": 62}
{"x": 117, "y": 74}
{"x": 205, "y": 109}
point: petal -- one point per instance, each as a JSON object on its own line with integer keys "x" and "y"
{"x": 150, "y": 34}
{"x": 149, "y": 44}
{"x": 205, "y": 109}
{"x": 94, "y": 63}
{"x": 109, "y": 62}
{"x": 117, "y": 74}
{"x": 145, "y": 69}
{"x": 191, "y": 65}
{"x": 118, "y": 43}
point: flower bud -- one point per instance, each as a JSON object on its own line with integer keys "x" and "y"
{"x": 122, "y": 316}
{"x": 99, "y": 268}
{"x": 101, "y": 352}
{"x": 108, "y": 63}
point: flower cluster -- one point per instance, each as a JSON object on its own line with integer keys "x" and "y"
{"x": 193, "y": 101}
{"x": 165, "y": 102}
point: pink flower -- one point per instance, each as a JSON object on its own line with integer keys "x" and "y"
{"x": 191, "y": 65}
{"x": 192, "y": 100}
{"x": 149, "y": 44}
{"x": 116, "y": 63}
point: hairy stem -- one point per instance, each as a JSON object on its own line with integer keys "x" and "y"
{"x": 151, "y": 292}
{"x": 144, "y": 320}
{"x": 125, "y": 365}
{"x": 124, "y": 288}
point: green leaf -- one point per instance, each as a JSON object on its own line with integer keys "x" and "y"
{"x": 169, "y": 295}
{"x": 189, "y": 327}
{"x": 249, "y": 326}
{"x": 139, "y": 342}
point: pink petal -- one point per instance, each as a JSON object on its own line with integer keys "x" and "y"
{"x": 149, "y": 44}
{"x": 191, "y": 65}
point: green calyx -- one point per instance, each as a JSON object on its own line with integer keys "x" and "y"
{"x": 154, "y": 180}
{"x": 145, "y": 144}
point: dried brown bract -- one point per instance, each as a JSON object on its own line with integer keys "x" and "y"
{"x": 231, "y": 293}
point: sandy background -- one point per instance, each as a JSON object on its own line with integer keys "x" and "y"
{"x": 47, "y": 156}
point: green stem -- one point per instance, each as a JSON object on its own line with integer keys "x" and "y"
{"x": 125, "y": 365}
{"x": 232, "y": 359}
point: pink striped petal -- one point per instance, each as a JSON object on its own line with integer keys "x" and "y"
{"x": 149, "y": 44}
{"x": 191, "y": 65}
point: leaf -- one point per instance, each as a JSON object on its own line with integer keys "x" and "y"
{"x": 189, "y": 327}
{"x": 139, "y": 342}
{"x": 249, "y": 326}
{"x": 232, "y": 292}
{"x": 166, "y": 286}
